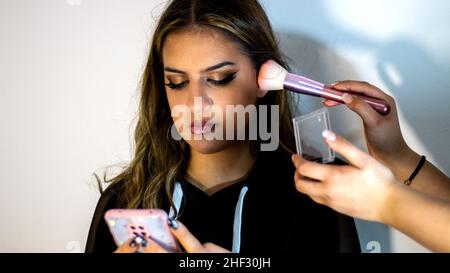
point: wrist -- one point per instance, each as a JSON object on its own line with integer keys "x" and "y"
{"x": 404, "y": 164}
{"x": 390, "y": 202}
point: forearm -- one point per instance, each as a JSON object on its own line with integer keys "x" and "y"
{"x": 429, "y": 180}
{"x": 420, "y": 216}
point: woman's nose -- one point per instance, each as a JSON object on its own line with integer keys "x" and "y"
{"x": 198, "y": 99}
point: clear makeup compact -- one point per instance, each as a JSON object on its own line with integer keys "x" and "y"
{"x": 308, "y": 136}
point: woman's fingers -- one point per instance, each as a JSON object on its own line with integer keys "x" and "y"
{"x": 213, "y": 248}
{"x": 309, "y": 187}
{"x": 153, "y": 247}
{"x": 190, "y": 243}
{"x": 358, "y": 105}
{"x": 362, "y": 88}
{"x": 127, "y": 247}
{"x": 181, "y": 233}
{"x": 310, "y": 169}
{"x": 326, "y": 174}
{"x": 146, "y": 245}
{"x": 356, "y": 157}
{"x": 330, "y": 103}
{"x": 186, "y": 239}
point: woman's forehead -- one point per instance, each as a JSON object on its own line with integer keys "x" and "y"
{"x": 199, "y": 46}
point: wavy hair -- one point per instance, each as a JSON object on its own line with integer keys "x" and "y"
{"x": 159, "y": 160}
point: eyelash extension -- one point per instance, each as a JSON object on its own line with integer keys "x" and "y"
{"x": 224, "y": 81}
{"x": 171, "y": 85}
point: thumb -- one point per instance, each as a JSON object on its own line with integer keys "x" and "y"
{"x": 354, "y": 155}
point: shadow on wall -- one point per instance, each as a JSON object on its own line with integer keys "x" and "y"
{"x": 428, "y": 111}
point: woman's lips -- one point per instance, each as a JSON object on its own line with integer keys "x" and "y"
{"x": 202, "y": 127}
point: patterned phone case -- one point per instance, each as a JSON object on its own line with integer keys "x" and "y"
{"x": 144, "y": 223}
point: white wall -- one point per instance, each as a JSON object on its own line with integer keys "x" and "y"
{"x": 69, "y": 73}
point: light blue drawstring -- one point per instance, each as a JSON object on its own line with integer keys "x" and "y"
{"x": 177, "y": 197}
{"x": 237, "y": 223}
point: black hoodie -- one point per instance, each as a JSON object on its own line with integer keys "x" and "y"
{"x": 275, "y": 218}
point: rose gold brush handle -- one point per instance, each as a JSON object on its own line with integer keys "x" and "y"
{"x": 379, "y": 105}
{"x": 303, "y": 85}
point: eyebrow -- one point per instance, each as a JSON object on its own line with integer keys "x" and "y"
{"x": 209, "y": 69}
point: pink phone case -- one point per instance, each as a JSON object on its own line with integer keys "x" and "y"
{"x": 129, "y": 223}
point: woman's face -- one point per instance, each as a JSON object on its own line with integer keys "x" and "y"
{"x": 204, "y": 67}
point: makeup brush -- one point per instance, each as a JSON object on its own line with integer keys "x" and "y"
{"x": 273, "y": 76}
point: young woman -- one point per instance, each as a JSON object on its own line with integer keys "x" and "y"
{"x": 232, "y": 195}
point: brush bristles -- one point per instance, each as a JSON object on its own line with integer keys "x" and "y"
{"x": 271, "y": 76}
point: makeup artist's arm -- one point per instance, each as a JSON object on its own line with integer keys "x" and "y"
{"x": 386, "y": 143}
{"x": 368, "y": 190}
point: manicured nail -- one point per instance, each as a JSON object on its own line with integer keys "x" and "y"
{"x": 144, "y": 243}
{"x": 329, "y": 135}
{"x": 347, "y": 98}
{"x": 133, "y": 243}
{"x": 138, "y": 239}
{"x": 173, "y": 223}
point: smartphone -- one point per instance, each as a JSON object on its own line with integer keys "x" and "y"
{"x": 141, "y": 223}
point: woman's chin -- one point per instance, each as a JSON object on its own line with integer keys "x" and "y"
{"x": 208, "y": 146}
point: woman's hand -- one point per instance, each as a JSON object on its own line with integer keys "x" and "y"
{"x": 368, "y": 190}
{"x": 360, "y": 190}
{"x": 385, "y": 141}
{"x": 383, "y": 135}
{"x": 188, "y": 241}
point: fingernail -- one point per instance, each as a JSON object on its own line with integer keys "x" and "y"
{"x": 139, "y": 240}
{"x": 144, "y": 243}
{"x": 347, "y": 98}
{"x": 336, "y": 83}
{"x": 133, "y": 244}
{"x": 329, "y": 135}
{"x": 173, "y": 223}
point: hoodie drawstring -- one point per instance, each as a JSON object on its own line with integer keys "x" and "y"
{"x": 237, "y": 222}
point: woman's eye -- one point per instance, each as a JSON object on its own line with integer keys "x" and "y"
{"x": 172, "y": 85}
{"x": 224, "y": 81}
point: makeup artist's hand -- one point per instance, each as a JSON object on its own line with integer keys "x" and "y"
{"x": 385, "y": 141}
{"x": 183, "y": 236}
{"x": 383, "y": 135}
{"x": 360, "y": 189}
{"x": 368, "y": 190}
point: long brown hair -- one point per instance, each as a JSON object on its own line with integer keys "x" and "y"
{"x": 159, "y": 160}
